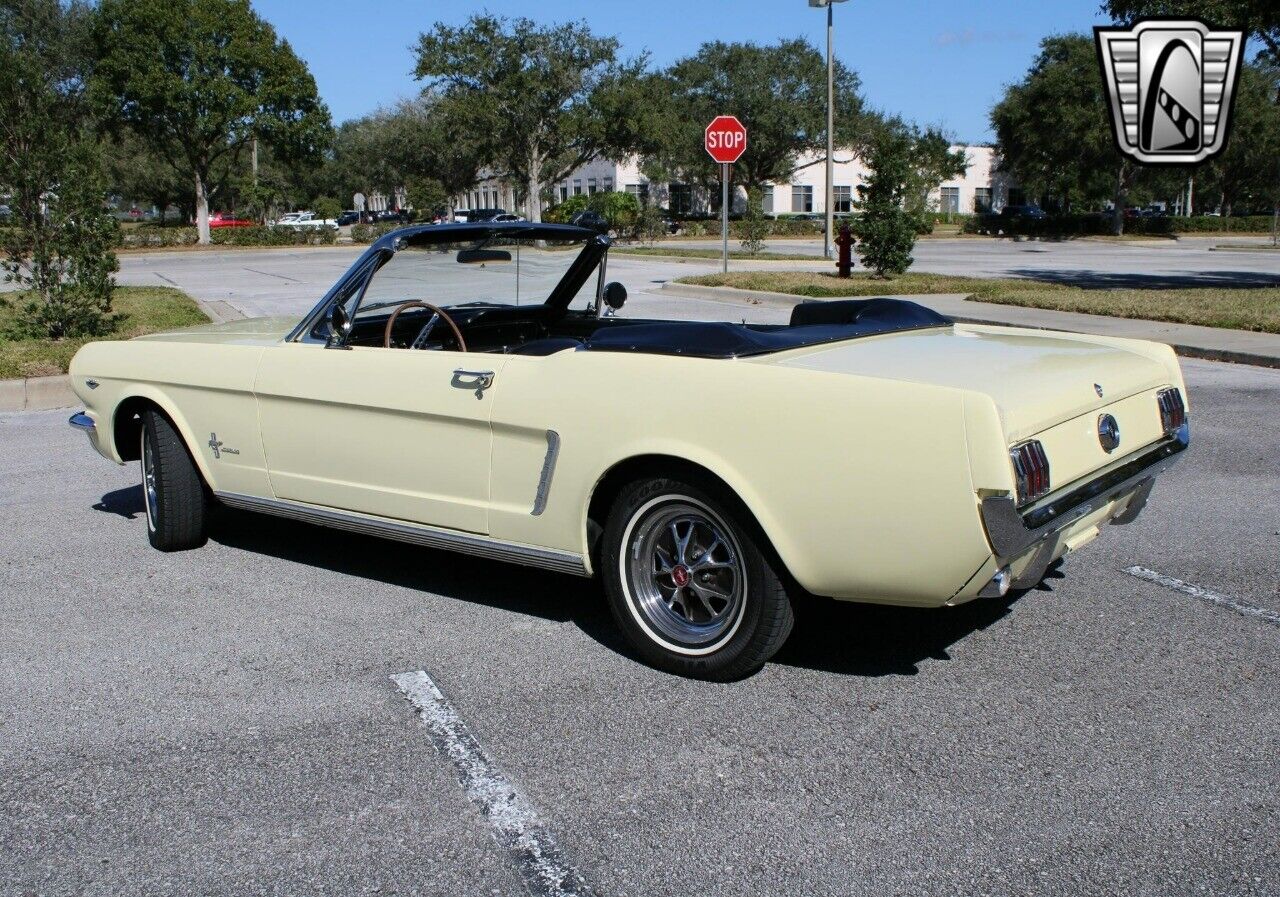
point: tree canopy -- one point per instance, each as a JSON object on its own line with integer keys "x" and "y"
{"x": 1054, "y": 133}
{"x": 535, "y": 97}
{"x": 779, "y": 91}
{"x": 1259, "y": 19}
{"x": 198, "y": 79}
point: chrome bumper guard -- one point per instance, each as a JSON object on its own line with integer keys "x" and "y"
{"x": 1012, "y": 532}
{"x": 84, "y": 423}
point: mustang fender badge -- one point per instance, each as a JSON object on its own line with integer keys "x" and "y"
{"x": 218, "y": 448}
{"x": 1097, "y": 387}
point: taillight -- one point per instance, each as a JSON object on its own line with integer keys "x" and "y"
{"x": 1173, "y": 413}
{"x": 1030, "y": 470}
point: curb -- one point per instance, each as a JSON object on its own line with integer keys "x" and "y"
{"x": 756, "y": 297}
{"x": 707, "y": 260}
{"x": 37, "y": 393}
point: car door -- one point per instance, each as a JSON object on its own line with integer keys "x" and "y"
{"x": 398, "y": 433}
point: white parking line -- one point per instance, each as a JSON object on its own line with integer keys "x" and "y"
{"x": 516, "y": 826}
{"x": 1186, "y": 588}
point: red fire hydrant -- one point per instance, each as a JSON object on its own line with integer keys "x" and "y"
{"x": 844, "y": 261}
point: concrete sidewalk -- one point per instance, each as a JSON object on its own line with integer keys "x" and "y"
{"x": 1217, "y": 344}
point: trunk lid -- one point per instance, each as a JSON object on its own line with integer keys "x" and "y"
{"x": 248, "y": 330}
{"x": 1037, "y": 379}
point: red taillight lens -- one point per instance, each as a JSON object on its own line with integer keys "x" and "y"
{"x": 1173, "y": 413}
{"x": 1030, "y": 471}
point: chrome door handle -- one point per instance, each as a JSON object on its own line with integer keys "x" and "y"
{"x": 477, "y": 380}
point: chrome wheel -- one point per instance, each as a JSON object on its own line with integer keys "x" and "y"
{"x": 685, "y": 574}
{"x": 149, "y": 480}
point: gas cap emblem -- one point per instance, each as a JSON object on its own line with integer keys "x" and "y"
{"x": 1108, "y": 433}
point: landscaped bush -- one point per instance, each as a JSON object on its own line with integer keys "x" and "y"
{"x": 274, "y": 236}
{"x": 1099, "y": 223}
{"x": 368, "y": 233}
{"x": 1210, "y": 223}
{"x": 153, "y": 236}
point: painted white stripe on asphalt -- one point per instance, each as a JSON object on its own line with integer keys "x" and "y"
{"x": 516, "y": 826}
{"x": 1205, "y": 595}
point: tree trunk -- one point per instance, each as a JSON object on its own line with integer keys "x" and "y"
{"x": 534, "y": 198}
{"x": 202, "y": 211}
{"x": 1117, "y": 211}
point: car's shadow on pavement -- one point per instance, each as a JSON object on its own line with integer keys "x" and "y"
{"x": 127, "y": 503}
{"x": 829, "y": 636}
{"x": 555, "y": 597}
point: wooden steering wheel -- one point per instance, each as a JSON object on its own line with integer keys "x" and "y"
{"x": 391, "y": 322}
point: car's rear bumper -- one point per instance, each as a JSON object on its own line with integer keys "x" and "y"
{"x": 1012, "y": 532}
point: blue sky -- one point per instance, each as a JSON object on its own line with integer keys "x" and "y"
{"x": 939, "y": 62}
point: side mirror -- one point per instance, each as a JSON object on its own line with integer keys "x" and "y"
{"x": 339, "y": 328}
{"x": 615, "y": 295}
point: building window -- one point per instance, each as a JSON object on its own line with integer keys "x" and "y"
{"x": 682, "y": 199}
{"x": 564, "y": 192}
{"x": 577, "y": 187}
{"x": 640, "y": 192}
{"x": 608, "y": 185}
{"x": 591, "y": 186}
{"x": 843, "y": 197}
{"x": 982, "y": 200}
{"x": 950, "y": 202}
{"x": 766, "y": 201}
{"x": 801, "y": 198}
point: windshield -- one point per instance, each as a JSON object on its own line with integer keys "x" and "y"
{"x": 495, "y": 272}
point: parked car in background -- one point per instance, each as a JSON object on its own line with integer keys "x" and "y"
{"x": 477, "y": 215}
{"x": 506, "y": 218}
{"x": 227, "y": 219}
{"x": 1027, "y": 212}
{"x": 592, "y": 220}
{"x": 348, "y": 217}
{"x": 303, "y": 219}
{"x": 867, "y": 450}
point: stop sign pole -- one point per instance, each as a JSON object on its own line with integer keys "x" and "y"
{"x": 725, "y": 141}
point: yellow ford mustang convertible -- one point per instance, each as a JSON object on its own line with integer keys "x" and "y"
{"x": 470, "y": 387}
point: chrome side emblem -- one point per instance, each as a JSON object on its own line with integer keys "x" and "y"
{"x": 1108, "y": 433}
{"x": 92, "y": 384}
{"x": 1097, "y": 387}
{"x": 218, "y": 448}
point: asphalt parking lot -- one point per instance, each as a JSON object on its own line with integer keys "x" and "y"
{"x": 290, "y": 281}
{"x": 223, "y": 721}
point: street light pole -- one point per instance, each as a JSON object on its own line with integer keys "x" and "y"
{"x": 831, "y": 119}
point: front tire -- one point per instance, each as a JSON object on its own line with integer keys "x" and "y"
{"x": 690, "y": 583}
{"x": 172, "y": 488}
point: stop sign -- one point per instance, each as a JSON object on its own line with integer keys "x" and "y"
{"x": 726, "y": 139}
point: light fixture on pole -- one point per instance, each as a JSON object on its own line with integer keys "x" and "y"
{"x": 831, "y": 117}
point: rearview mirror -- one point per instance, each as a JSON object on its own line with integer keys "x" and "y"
{"x": 339, "y": 327}
{"x": 480, "y": 256}
{"x": 615, "y": 295}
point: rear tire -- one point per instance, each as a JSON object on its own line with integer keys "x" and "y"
{"x": 690, "y": 581}
{"x": 172, "y": 489}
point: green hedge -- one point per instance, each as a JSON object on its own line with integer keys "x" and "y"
{"x": 367, "y": 233}
{"x": 147, "y": 236}
{"x": 1099, "y": 223}
{"x": 1210, "y": 223}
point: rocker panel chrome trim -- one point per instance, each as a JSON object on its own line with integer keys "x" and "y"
{"x": 428, "y": 537}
